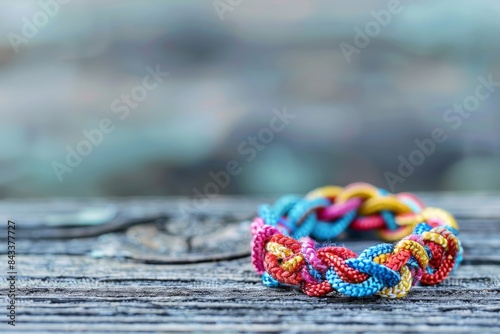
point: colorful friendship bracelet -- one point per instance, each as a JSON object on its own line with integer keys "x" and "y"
{"x": 284, "y": 253}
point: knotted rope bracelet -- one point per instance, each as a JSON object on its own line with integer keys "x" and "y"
{"x": 284, "y": 253}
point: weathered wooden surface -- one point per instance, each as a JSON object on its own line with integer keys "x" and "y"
{"x": 149, "y": 268}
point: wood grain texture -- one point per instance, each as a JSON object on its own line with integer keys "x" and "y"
{"x": 119, "y": 277}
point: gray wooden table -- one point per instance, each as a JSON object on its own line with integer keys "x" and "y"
{"x": 144, "y": 265}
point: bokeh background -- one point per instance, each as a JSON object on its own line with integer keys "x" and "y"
{"x": 227, "y": 73}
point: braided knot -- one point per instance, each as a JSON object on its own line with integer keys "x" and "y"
{"x": 284, "y": 254}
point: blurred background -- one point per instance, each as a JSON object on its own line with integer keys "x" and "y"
{"x": 359, "y": 92}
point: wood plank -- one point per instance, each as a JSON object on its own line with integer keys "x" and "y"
{"x": 107, "y": 283}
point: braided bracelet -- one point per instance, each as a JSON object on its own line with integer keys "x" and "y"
{"x": 284, "y": 253}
